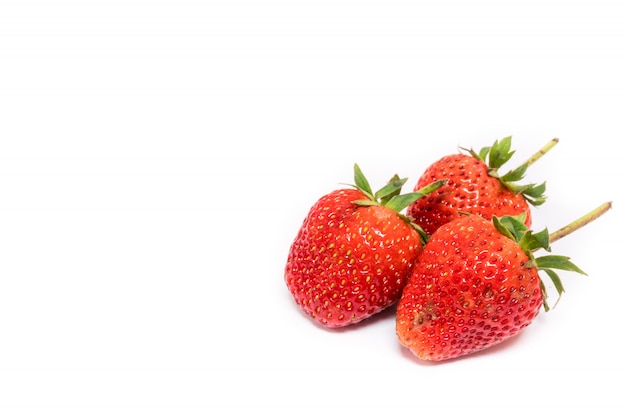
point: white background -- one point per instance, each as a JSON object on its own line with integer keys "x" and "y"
{"x": 158, "y": 157}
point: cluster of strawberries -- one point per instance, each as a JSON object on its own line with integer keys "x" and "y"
{"x": 456, "y": 255}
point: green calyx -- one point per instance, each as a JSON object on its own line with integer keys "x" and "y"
{"x": 390, "y": 196}
{"x": 514, "y": 228}
{"x": 499, "y": 153}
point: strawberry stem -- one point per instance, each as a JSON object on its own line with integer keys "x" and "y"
{"x": 581, "y": 222}
{"x": 514, "y": 228}
{"x": 541, "y": 152}
{"x": 519, "y": 172}
{"x": 499, "y": 153}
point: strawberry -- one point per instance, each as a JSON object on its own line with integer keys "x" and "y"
{"x": 354, "y": 251}
{"x": 476, "y": 283}
{"x": 474, "y": 186}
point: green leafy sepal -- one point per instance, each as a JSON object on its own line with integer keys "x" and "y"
{"x": 514, "y": 228}
{"x": 390, "y": 196}
{"x": 498, "y": 154}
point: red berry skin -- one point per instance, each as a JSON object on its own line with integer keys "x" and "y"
{"x": 349, "y": 262}
{"x": 470, "y": 189}
{"x": 470, "y": 289}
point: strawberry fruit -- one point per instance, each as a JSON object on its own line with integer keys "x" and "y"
{"x": 354, "y": 252}
{"x": 475, "y": 186}
{"x": 476, "y": 283}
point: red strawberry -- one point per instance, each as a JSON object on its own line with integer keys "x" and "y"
{"x": 354, "y": 252}
{"x": 476, "y": 284}
{"x": 474, "y": 186}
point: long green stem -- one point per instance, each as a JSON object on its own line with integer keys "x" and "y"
{"x": 581, "y": 222}
{"x": 541, "y": 152}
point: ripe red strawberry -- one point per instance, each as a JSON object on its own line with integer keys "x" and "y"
{"x": 474, "y": 186}
{"x": 476, "y": 284}
{"x": 354, "y": 252}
